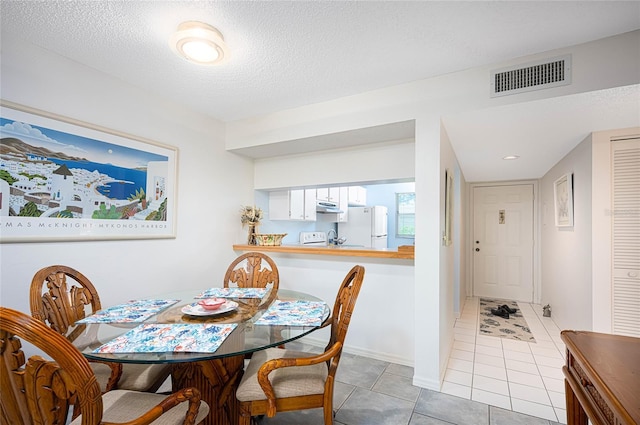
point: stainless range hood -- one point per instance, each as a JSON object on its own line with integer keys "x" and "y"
{"x": 326, "y": 207}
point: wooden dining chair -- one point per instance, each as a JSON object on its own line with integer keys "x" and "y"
{"x": 41, "y": 391}
{"x": 280, "y": 380}
{"x": 61, "y": 295}
{"x": 252, "y": 270}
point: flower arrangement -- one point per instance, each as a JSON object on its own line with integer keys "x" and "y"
{"x": 250, "y": 215}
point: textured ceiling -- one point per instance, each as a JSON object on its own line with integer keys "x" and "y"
{"x": 287, "y": 54}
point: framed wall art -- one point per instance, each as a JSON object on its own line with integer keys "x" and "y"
{"x": 448, "y": 208}
{"x": 563, "y": 200}
{"x": 66, "y": 180}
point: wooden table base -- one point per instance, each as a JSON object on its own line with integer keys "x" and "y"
{"x": 217, "y": 381}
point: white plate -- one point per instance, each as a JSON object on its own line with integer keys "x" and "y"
{"x": 197, "y": 310}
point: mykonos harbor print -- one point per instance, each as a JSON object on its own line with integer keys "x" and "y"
{"x": 60, "y": 180}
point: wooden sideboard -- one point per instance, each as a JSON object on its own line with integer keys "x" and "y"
{"x": 602, "y": 378}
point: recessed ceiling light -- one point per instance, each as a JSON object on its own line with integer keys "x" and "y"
{"x": 199, "y": 43}
{"x": 509, "y": 157}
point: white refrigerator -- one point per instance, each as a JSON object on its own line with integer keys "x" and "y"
{"x": 366, "y": 226}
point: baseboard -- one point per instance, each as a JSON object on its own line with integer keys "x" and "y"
{"x": 429, "y": 384}
{"x": 385, "y": 357}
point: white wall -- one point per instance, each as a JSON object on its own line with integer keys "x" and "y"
{"x": 382, "y": 325}
{"x": 449, "y": 291}
{"x": 566, "y": 251}
{"x": 430, "y": 350}
{"x": 369, "y": 163}
{"x": 212, "y": 184}
{"x": 456, "y": 253}
{"x": 576, "y": 262}
{"x": 435, "y": 324}
{"x": 442, "y": 95}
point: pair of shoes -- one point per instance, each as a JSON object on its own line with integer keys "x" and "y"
{"x": 500, "y": 312}
{"x": 508, "y": 309}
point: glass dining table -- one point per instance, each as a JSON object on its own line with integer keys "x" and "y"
{"x": 215, "y": 372}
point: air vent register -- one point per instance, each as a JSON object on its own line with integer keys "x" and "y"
{"x": 532, "y": 76}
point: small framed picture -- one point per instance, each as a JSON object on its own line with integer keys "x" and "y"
{"x": 448, "y": 208}
{"x": 563, "y": 200}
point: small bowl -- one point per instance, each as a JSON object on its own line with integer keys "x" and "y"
{"x": 212, "y": 303}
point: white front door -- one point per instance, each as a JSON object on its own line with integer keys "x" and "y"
{"x": 503, "y": 242}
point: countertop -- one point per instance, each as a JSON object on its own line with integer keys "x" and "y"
{"x": 403, "y": 252}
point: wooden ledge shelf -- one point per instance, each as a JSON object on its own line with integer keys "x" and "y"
{"x": 346, "y": 251}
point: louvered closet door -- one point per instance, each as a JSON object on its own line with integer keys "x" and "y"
{"x": 626, "y": 236}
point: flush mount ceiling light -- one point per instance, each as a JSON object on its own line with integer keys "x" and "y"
{"x": 510, "y": 157}
{"x": 199, "y": 43}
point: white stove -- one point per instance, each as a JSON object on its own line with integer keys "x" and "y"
{"x": 313, "y": 238}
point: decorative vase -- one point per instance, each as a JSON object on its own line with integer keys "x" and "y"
{"x": 251, "y": 236}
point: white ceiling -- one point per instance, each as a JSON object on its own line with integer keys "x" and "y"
{"x": 287, "y": 54}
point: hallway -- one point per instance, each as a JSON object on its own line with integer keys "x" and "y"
{"x": 514, "y": 375}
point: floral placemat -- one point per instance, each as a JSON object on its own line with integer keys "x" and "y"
{"x": 130, "y": 312}
{"x": 233, "y": 293}
{"x": 167, "y": 338}
{"x": 294, "y": 313}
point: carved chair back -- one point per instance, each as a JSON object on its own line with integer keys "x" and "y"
{"x": 252, "y": 270}
{"x": 342, "y": 312}
{"x": 39, "y": 391}
{"x": 250, "y": 405}
{"x": 61, "y": 295}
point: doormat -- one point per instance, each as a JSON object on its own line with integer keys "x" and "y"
{"x": 515, "y": 327}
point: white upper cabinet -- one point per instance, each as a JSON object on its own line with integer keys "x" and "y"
{"x": 296, "y": 204}
{"x": 322, "y": 193}
{"x": 330, "y": 194}
{"x": 357, "y": 196}
{"x": 300, "y": 204}
{"x": 310, "y": 204}
{"x": 343, "y": 204}
{"x": 334, "y": 194}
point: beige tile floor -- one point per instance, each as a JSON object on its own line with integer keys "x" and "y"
{"x": 524, "y": 377}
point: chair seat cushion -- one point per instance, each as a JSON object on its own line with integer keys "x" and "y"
{"x": 287, "y": 381}
{"x": 102, "y": 372}
{"x": 135, "y": 377}
{"x": 123, "y": 406}
{"x": 141, "y": 377}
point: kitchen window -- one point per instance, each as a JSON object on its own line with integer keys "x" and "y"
{"x": 406, "y": 215}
